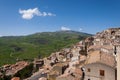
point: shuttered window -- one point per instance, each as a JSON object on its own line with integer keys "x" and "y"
{"x": 102, "y": 73}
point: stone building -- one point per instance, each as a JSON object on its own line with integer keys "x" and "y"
{"x": 76, "y": 74}
{"x": 100, "y": 66}
{"x": 117, "y": 52}
{"x": 57, "y": 70}
{"x": 38, "y": 63}
{"x": 76, "y": 54}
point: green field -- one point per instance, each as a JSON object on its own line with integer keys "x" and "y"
{"x": 14, "y": 48}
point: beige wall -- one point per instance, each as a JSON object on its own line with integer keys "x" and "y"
{"x": 94, "y": 73}
{"x": 118, "y": 67}
{"x": 118, "y": 63}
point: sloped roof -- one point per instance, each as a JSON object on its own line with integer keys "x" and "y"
{"x": 108, "y": 47}
{"x": 100, "y": 57}
{"x": 65, "y": 77}
{"x": 15, "y": 78}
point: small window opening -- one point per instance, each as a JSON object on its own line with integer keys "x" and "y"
{"x": 89, "y": 69}
{"x": 102, "y": 73}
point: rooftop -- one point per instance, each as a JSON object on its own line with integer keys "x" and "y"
{"x": 100, "y": 57}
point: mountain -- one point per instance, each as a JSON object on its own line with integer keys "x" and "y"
{"x": 15, "y": 48}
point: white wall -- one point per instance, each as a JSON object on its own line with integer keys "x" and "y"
{"x": 94, "y": 74}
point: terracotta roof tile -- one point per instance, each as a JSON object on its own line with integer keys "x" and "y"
{"x": 15, "y": 78}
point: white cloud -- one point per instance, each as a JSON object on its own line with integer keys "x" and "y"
{"x": 50, "y": 14}
{"x": 65, "y": 28}
{"x": 30, "y": 13}
{"x": 80, "y": 29}
{"x": 44, "y": 14}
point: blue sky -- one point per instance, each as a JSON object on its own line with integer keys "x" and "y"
{"x": 23, "y": 17}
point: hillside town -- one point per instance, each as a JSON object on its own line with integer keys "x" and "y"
{"x": 95, "y": 58}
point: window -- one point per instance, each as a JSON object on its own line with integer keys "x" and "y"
{"x": 89, "y": 70}
{"x": 102, "y": 72}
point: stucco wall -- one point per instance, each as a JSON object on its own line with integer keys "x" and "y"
{"x": 94, "y": 73}
{"x": 118, "y": 63}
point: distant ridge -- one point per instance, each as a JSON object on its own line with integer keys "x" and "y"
{"x": 14, "y": 48}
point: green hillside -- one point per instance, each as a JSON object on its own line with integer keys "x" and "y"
{"x": 14, "y": 48}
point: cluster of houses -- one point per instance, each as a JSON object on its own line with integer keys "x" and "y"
{"x": 103, "y": 60}
{"x": 63, "y": 65}
{"x": 95, "y": 58}
{"x": 10, "y": 70}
